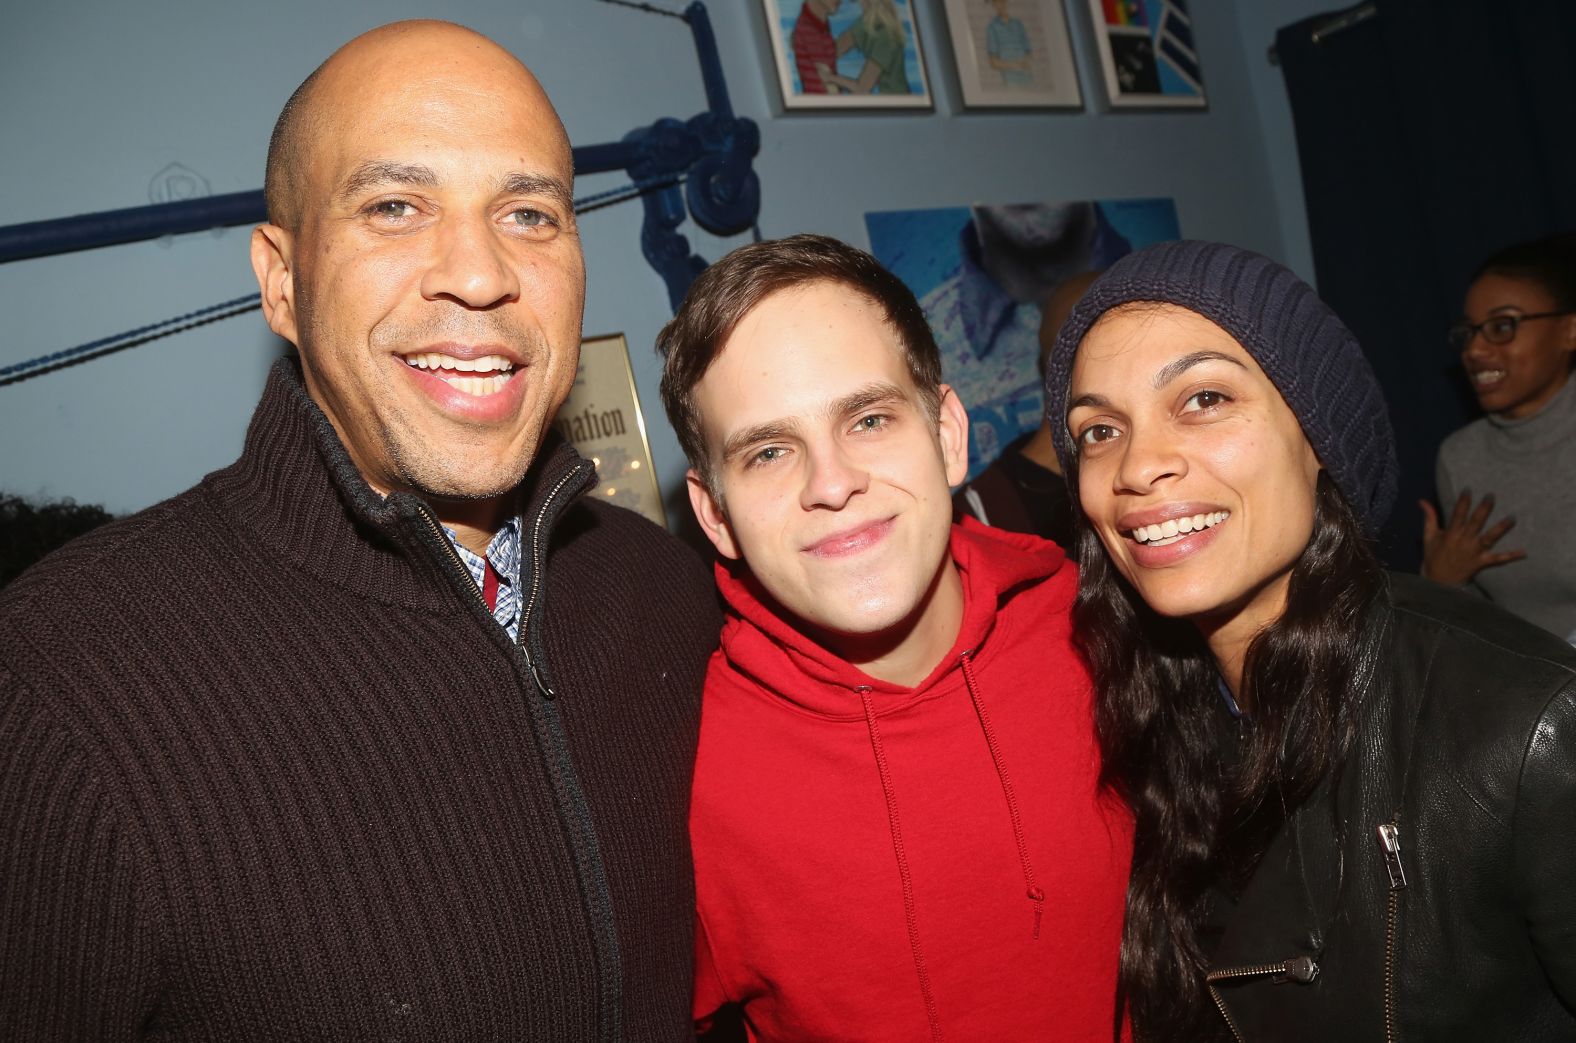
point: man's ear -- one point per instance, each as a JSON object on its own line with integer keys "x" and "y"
{"x": 709, "y": 513}
{"x": 1568, "y": 333}
{"x": 953, "y": 428}
{"x": 272, "y": 262}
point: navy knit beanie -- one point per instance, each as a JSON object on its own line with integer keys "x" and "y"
{"x": 1308, "y": 353}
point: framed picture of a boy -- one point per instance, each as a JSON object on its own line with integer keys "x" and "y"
{"x": 1013, "y": 54}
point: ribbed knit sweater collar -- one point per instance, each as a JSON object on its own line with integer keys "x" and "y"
{"x": 1549, "y": 426}
{"x": 296, "y": 491}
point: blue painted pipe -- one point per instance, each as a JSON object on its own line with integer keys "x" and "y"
{"x": 715, "y": 148}
{"x": 710, "y": 62}
{"x": 598, "y": 159}
{"x": 65, "y": 234}
{"x": 112, "y": 227}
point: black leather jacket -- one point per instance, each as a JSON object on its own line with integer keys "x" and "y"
{"x": 1467, "y": 749}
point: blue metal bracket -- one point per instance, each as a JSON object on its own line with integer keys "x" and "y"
{"x": 714, "y": 151}
{"x": 711, "y": 152}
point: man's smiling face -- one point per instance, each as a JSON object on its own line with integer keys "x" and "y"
{"x": 434, "y": 282}
{"x": 830, "y": 475}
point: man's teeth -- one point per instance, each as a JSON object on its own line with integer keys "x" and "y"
{"x": 485, "y": 364}
{"x": 1170, "y": 531}
{"x": 477, "y": 385}
{"x": 1484, "y": 377}
{"x": 493, "y": 371}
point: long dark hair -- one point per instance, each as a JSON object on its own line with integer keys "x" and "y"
{"x": 1198, "y": 823}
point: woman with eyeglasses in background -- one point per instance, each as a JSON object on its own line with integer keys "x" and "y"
{"x": 1517, "y": 342}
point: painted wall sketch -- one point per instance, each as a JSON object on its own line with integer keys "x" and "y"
{"x": 1013, "y": 53}
{"x": 1147, "y": 53}
{"x": 980, "y": 273}
{"x": 847, "y": 54}
{"x": 602, "y": 419}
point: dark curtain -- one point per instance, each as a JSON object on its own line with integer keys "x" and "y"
{"x": 1430, "y": 135}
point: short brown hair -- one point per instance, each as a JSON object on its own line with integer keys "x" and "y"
{"x": 729, "y": 290}
{"x": 284, "y": 180}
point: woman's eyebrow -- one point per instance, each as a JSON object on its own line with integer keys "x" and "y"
{"x": 1176, "y": 367}
{"x": 1165, "y": 375}
{"x": 1092, "y": 400}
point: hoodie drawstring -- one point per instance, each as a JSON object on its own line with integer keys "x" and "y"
{"x": 909, "y": 910}
{"x": 1036, "y": 896}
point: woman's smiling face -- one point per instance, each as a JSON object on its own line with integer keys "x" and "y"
{"x": 1519, "y": 377}
{"x": 1192, "y": 469}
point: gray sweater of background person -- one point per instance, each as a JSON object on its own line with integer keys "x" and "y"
{"x": 1530, "y": 467}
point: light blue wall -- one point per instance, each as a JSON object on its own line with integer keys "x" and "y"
{"x": 101, "y": 97}
{"x": 1257, "y": 23}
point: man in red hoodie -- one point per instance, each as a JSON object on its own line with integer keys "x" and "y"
{"x": 896, "y": 818}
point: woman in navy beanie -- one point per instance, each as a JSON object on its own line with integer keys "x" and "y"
{"x": 1354, "y": 792}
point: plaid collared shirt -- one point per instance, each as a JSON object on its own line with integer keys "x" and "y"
{"x": 504, "y": 553}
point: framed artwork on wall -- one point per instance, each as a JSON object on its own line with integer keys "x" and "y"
{"x": 980, "y": 272}
{"x": 1013, "y": 54}
{"x": 847, "y": 54}
{"x": 1147, "y": 53}
{"x": 602, "y": 420}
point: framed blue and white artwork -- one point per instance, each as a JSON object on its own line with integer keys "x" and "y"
{"x": 1013, "y": 54}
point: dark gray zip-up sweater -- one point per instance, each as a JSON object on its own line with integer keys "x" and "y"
{"x": 270, "y": 771}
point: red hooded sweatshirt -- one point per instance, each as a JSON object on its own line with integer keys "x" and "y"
{"x": 876, "y": 862}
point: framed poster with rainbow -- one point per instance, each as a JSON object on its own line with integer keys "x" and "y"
{"x": 1147, "y": 53}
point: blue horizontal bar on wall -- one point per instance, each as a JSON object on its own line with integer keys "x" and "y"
{"x": 109, "y": 227}
{"x": 710, "y": 154}
{"x": 134, "y": 224}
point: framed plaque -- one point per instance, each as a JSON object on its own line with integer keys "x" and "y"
{"x": 602, "y": 419}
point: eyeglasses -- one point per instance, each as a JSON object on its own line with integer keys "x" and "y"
{"x": 1496, "y": 329}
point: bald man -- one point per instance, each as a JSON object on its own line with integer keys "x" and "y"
{"x": 1023, "y": 489}
{"x": 384, "y": 731}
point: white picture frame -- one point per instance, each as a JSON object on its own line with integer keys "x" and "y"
{"x": 1147, "y": 55}
{"x": 853, "y": 79}
{"x": 1015, "y": 54}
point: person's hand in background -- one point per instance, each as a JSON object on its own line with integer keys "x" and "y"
{"x": 1462, "y": 547}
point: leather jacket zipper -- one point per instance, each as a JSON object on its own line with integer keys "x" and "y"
{"x": 1390, "y": 842}
{"x": 1300, "y": 969}
{"x": 1303, "y": 969}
